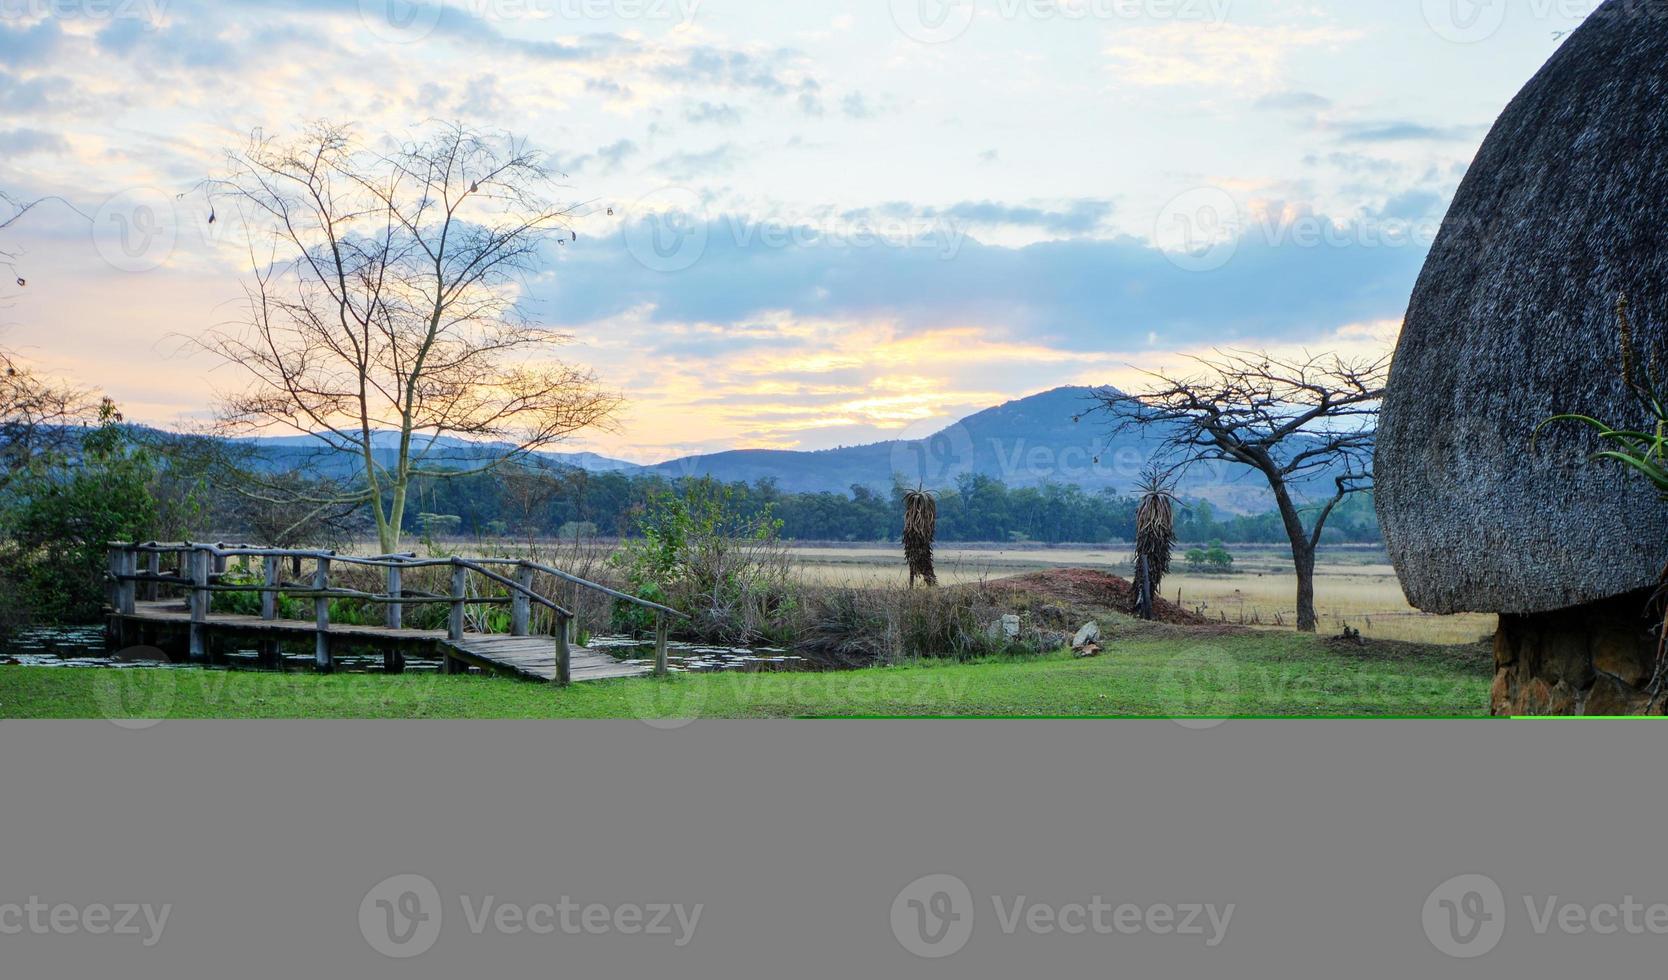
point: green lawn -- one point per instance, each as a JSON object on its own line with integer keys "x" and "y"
{"x": 1172, "y": 673}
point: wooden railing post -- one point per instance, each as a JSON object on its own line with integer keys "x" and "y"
{"x": 321, "y": 614}
{"x": 396, "y": 590}
{"x": 128, "y": 592}
{"x": 153, "y": 568}
{"x": 269, "y": 591}
{"x": 113, "y": 565}
{"x": 660, "y": 644}
{"x": 219, "y": 559}
{"x": 198, "y": 559}
{"x": 564, "y": 653}
{"x": 460, "y": 591}
{"x": 521, "y": 606}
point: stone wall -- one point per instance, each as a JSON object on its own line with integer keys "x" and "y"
{"x": 1595, "y": 659}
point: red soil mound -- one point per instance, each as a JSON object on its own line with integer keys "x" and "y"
{"x": 1088, "y": 587}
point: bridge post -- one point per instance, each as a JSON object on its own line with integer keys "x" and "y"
{"x": 219, "y": 559}
{"x": 660, "y": 644}
{"x": 269, "y": 592}
{"x": 129, "y": 590}
{"x": 198, "y": 560}
{"x": 395, "y": 614}
{"x": 114, "y": 562}
{"x": 460, "y": 591}
{"x": 321, "y": 615}
{"x": 393, "y": 661}
{"x": 520, "y": 606}
{"x": 564, "y": 653}
{"x": 153, "y": 568}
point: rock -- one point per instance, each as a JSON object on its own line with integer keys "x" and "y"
{"x": 1010, "y": 626}
{"x": 1621, "y": 654}
{"x": 1088, "y": 635}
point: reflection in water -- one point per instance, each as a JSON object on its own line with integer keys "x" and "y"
{"x": 84, "y": 646}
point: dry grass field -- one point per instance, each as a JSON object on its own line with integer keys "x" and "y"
{"x": 1354, "y": 585}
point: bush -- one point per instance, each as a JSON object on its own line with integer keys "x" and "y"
{"x": 59, "y": 516}
{"x": 1215, "y": 559}
{"x": 706, "y": 556}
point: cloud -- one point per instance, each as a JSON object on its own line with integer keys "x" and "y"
{"x": 721, "y": 114}
{"x": 1076, "y": 295}
{"x": 1405, "y": 130}
{"x": 857, "y": 106}
{"x": 1292, "y": 102}
{"x": 34, "y": 45}
{"x": 720, "y": 159}
{"x": 1227, "y": 56}
{"x": 19, "y": 142}
{"x": 1075, "y": 218}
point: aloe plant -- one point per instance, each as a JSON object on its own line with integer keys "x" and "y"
{"x": 1643, "y": 452}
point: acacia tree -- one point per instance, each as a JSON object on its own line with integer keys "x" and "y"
{"x": 38, "y": 416}
{"x": 385, "y": 319}
{"x": 1294, "y": 421}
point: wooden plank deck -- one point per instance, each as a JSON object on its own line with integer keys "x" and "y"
{"x": 526, "y": 657}
{"x": 534, "y": 658}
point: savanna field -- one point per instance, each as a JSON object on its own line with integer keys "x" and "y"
{"x": 1230, "y": 658}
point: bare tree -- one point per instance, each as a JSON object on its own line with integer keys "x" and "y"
{"x": 1294, "y": 421}
{"x": 386, "y": 316}
{"x": 38, "y": 416}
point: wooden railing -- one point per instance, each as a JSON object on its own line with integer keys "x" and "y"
{"x": 199, "y": 570}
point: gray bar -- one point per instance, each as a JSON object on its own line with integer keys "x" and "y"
{"x": 300, "y": 848}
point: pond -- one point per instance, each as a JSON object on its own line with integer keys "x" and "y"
{"x": 84, "y": 646}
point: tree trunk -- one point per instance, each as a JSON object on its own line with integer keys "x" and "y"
{"x": 1303, "y": 553}
{"x": 1303, "y": 558}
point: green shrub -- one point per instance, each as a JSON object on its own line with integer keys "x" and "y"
{"x": 59, "y": 515}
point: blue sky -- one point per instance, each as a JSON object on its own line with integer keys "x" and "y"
{"x": 831, "y": 222}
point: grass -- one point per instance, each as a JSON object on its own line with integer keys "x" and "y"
{"x": 1147, "y": 671}
{"x": 1354, "y": 585}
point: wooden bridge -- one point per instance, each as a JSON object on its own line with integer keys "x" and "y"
{"x": 140, "y": 573}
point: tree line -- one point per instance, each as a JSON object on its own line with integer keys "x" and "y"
{"x": 525, "y": 502}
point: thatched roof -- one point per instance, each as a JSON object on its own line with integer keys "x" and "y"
{"x": 1512, "y": 321}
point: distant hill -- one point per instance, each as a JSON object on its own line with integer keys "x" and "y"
{"x": 1026, "y": 442}
{"x": 308, "y": 453}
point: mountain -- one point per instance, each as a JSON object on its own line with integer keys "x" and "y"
{"x": 309, "y": 454}
{"x": 1043, "y": 438}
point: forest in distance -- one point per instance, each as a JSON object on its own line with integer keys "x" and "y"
{"x": 522, "y": 503}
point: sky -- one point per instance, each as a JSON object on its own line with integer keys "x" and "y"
{"x": 803, "y": 224}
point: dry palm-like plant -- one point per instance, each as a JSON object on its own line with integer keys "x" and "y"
{"x": 1155, "y": 536}
{"x": 920, "y": 526}
{"x": 1645, "y": 452}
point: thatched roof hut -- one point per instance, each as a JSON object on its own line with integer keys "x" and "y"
{"x": 1513, "y": 321}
